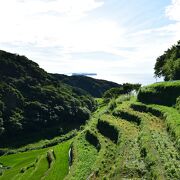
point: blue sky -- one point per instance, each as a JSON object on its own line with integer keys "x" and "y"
{"x": 117, "y": 39}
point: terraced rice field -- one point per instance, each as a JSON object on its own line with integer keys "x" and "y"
{"x": 131, "y": 141}
{"x": 35, "y": 164}
{"x": 132, "y": 145}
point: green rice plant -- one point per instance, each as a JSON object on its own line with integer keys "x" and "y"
{"x": 60, "y": 166}
{"x": 84, "y": 155}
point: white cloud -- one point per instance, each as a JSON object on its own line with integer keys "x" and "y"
{"x": 58, "y": 23}
{"x": 173, "y": 10}
{"x": 68, "y": 27}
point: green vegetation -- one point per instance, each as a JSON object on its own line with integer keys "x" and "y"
{"x": 144, "y": 147}
{"x": 126, "y": 88}
{"x": 108, "y": 130}
{"x": 44, "y": 132}
{"x": 94, "y": 87}
{"x": 178, "y": 104}
{"x": 168, "y": 64}
{"x": 169, "y": 114}
{"x": 124, "y": 139}
{"x": 164, "y": 93}
{"x": 48, "y": 163}
{"x": 35, "y": 105}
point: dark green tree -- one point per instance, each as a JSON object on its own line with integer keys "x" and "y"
{"x": 168, "y": 64}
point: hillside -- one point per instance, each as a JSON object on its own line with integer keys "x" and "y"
{"x": 45, "y": 133}
{"x": 94, "y": 87}
{"x": 164, "y": 93}
{"x": 35, "y": 104}
{"x": 124, "y": 139}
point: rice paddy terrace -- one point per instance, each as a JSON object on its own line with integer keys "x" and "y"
{"x": 123, "y": 140}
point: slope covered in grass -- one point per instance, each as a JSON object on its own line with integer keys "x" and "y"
{"x": 35, "y": 165}
{"x": 143, "y": 150}
{"x": 164, "y": 93}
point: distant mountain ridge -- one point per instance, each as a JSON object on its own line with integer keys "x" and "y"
{"x": 95, "y": 87}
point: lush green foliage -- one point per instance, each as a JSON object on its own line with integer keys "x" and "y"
{"x": 34, "y": 103}
{"x": 123, "y": 139}
{"x": 164, "y": 93}
{"x": 137, "y": 143}
{"x": 94, "y": 87}
{"x": 168, "y": 64}
{"x": 126, "y": 88}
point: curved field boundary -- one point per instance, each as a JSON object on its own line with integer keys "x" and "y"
{"x": 92, "y": 139}
{"x": 164, "y": 93}
{"x": 144, "y": 108}
{"x": 108, "y": 130}
{"x": 127, "y": 115}
{"x": 170, "y": 115}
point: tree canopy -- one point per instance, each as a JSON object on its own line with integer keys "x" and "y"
{"x": 32, "y": 100}
{"x": 168, "y": 64}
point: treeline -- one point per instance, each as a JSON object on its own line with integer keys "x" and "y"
{"x": 95, "y": 87}
{"x": 31, "y": 100}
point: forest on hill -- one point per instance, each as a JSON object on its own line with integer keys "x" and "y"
{"x": 31, "y": 100}
{"x": 128, "y": 132}
{"x": 95, "y": 87}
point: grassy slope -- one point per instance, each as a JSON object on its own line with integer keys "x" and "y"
{"x": 34, "y": 164}
{"x": 138, "y": 154}
{"x": 144, "y": 150}
{"x": 60, "y": 167}
{"x": 170, "y": 116}
{"x": 164, "y": 93}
